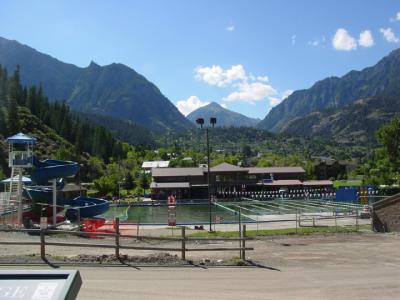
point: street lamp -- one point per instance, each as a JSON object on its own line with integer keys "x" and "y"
{"x": 213, "y": 121}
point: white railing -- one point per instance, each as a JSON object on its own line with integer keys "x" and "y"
{"x": 20, "y": 159}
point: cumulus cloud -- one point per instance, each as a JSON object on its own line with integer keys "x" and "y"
{"x": 215, "y": 75}
{"x": 190, "y": 104}
{"x": 230, "y": 28}
{"x": 366, "y": 39}
{"x": 251, "y": 92}
{"x": 343, "y": 41}
{"x": 224, "y": 105}
{"x": 389, "y": 35}
{"x": 243, "y": 86}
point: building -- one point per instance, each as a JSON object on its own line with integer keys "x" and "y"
{"x": 191, "y": 183}
{"x": 386, "y": 214}
{"x": 148, "y": 165}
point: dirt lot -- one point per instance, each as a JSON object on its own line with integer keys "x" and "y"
{"x": 330, "y": 266}
{"x": 314, "y": 250}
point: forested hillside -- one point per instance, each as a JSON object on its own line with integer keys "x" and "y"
{"x": 60, "y": 134}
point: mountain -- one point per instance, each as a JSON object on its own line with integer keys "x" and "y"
{"x": 114, "y": 90}
{"x": 352, "y": 123}
{"x": 336, "y": 92}
{"x": 125, "y": 131}
{"x": 225, "y": 117}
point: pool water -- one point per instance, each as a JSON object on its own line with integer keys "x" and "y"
{"x": 226, "y": 212}
{"x": 185, "y": 214}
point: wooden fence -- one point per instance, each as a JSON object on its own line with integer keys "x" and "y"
{"x": 117, "y": 245}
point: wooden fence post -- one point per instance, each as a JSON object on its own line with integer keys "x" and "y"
{"x": 117, "y": 238}
{"x": 244, "y": 242}
{"x": 357, "y": 226}
{"x": 183, "y": 243}
{"x": 42, "y": 245}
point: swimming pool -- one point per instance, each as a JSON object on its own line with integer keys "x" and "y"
{"x": 228, "y": 212}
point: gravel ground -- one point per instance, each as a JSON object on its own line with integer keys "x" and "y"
{"x": 275, "y": 251}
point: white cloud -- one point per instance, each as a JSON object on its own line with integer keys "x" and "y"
{"x": 262, "y": 78}
{"x": 389, "y": 35}
{"x": 343, "y": 41}
{"x": 224, "y": 105}
{"x": 190, "y": 104}
{"x": 293, "y": 38}
{"x": 215, "y": 75}
{"x": 318, "y": 42}
{"x": 251, "y": 92}
{"x": 273, "y": 101}
{"x": 396, "y": 17}
{"x": 230, "y": 28}
{"x": 286, "y": 94}
{"x": 366, "y": 39}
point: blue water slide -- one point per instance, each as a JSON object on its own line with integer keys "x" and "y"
{"x": 87, "y": 206}
{"x": 50, "y": 169}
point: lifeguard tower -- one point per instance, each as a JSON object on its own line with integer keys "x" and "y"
{"x": 20, "y": 157}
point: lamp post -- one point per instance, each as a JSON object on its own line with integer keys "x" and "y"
{"x": 213, "y": 121}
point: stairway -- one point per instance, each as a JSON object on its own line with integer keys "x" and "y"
{"x": 15, "y": 187}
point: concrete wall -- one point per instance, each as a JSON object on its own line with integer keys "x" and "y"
{"x": 386, "y": 214}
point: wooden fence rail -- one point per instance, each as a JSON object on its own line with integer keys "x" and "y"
{"x": 117, "y": 241}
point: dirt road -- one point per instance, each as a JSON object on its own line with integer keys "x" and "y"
{"x": 332, "y": 266}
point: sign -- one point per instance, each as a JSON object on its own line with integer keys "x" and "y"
{"x": 171, "y": 215}
{"x": 39, "y": 285}
{"x": 43, "y": 222}
{"x": 171, "y": 200}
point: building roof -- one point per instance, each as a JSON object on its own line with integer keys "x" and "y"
{"x": 171, "y": 172}
{"x": 283, "y": 182}
{"x": 155, "y": 164}
{"x": 275, "y": 170}
{"x": 21, "y": 138}
{"x": 225, "y": 167}
{"x": 317, "y": 183}
{"x": 169, "y": 185}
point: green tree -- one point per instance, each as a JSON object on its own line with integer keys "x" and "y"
{"x": 143, "y": 181}
{"x": 13, "y": 120}
{"x": 129, "y": 182}
{"x": 389, "y": 137}
{"x": 106, "y": 185}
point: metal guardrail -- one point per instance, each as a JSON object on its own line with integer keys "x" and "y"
{"x": 117, "y": 245}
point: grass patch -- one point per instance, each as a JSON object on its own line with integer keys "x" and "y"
{"x": 338, "y": 183}
{"x": 285, "y": 231}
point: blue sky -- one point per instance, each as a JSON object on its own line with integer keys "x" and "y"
{"x": 246, "y": 55}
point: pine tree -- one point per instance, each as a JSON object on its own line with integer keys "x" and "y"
{"x": 13, "y": 120}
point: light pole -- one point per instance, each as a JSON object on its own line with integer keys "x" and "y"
{"x": 213, "y": 121}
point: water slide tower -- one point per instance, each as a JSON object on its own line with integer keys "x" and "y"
{"x": 20, "y": 157}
